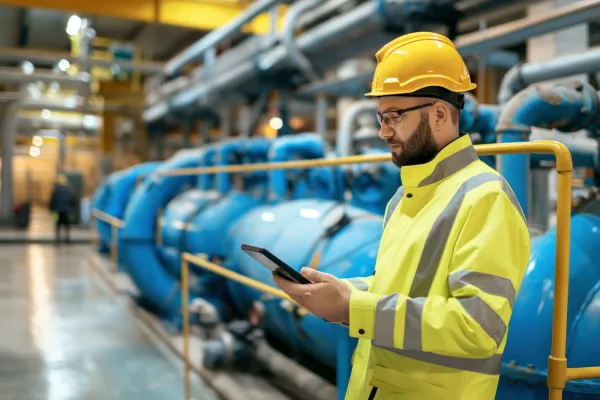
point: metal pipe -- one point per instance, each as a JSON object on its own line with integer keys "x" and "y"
{"x": 9, "y": 122}
{"x": 358, "y": 22}
{"x": 214, "y": 37}
{"x": 52, "y": 57}
{"x": 566, "y": 106}
{"x": 16, "y": 75}
{"x": 344, "y": 139}
{"x": 521, "y": 76}
{"x": 517, "y": 31}
{"x": 288, "y": 37}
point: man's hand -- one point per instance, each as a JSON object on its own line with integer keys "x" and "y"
{"x": 327, "y": 297}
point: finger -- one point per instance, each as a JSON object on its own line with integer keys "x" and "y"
{"x": 314, "y": 276}
{"x": 289, "y": 287}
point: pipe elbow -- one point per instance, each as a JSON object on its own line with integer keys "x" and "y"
{"x": 306, "y": 146}
{"x": 566, "y": 106}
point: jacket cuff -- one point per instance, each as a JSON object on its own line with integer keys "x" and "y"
{"x": 362, "y": 314}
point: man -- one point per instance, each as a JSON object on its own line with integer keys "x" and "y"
{"x": 432, "y": 321}
{"x": 61, "y": 203}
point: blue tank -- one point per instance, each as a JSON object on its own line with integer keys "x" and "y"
{"x": 525, "y": 359}
{"x": 295, "y": 232}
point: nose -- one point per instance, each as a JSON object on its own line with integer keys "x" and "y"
{"x": 385, "y": 132}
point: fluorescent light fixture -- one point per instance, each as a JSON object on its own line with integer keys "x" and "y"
{"x": 73, "y": 25}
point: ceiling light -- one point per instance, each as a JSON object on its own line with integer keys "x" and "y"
{"x": 27, "y": 67}
{"x": 73, "y": 25}
{"x": 37, "y": 141}
{"x": 276, "y": 123}
{"x": 34, "y": 151}
{"x": 46, "y": 114}
{"x": 64, "y": 65}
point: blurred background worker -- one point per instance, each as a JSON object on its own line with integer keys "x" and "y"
{"x": 61, "y": 204}
{"x": 432, "y": 322}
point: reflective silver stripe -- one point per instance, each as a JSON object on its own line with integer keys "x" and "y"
{"x": 393, "y": 204}
{"x": 413, "y": 324}
{"x": 513, "y": 199}
{"x": 485, "y": 316}
{"x": 385, "y": 317}
{"x": 359, "y": 284}
{"x": 438, "y": 235}
{"x": 488, "y": 366}
{"x": 492, "y": 284}
{"x": 451, "y": 165}
{"x": 385, "y": 321}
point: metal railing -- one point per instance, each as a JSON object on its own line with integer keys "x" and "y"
{"x": 558, "y": 372}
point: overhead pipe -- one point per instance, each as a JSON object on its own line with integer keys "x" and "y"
{"x": 566, "y": 106}
{"x": 515, "y": 32}
{"x": 523, "y": 75}
{"x": 289, "y": 32}
{"x": 52, "y": 57}
{"x": 358, "y": 22}
{"x": 344, "y": 138}
{"x": 216, "y": 36}
{"x": 17, "y": 75}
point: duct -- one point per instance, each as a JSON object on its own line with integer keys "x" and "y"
{"x": 216, "y": 36}
{"x": 517, "y": 31}
{"x": 567, "y": 106}
{"x": 359, "y": 22}
{"x": 52, "y": 57}
{"x": 345, "y": 139}
{"x": 16, "y": 75}
{"x": 288, "y": 37}
{"x": 521, "y": 76}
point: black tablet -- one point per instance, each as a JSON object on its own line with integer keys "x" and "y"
{"x": 274, "y": 264}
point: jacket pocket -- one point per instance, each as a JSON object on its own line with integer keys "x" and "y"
{"x": 394, "y": 384}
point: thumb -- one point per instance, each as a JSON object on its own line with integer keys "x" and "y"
{"x": 314, "y": 276}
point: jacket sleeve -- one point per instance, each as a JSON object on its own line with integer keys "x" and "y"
{"x": 490, "y": 254}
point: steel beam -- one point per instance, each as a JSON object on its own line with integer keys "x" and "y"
{"x": 52, "y": 57}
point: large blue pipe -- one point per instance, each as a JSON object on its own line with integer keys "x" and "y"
{"x": 525, "y": 358}
{"x": 566, "y": 106}
{"x": 158, "y": 288}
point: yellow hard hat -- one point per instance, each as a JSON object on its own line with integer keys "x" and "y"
{"x": 422, "y": 64}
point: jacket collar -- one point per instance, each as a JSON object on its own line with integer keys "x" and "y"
{"x": 451, "y": 159}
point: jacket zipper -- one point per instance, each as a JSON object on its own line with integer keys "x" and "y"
{"x": 373, "y": 393}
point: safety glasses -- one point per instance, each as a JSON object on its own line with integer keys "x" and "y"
{"x": 395, "y": 118}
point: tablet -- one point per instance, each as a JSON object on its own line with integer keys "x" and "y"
{"x": 274, "y": 264}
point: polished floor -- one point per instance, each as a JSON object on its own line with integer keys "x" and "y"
{"x": 65, "y": 336}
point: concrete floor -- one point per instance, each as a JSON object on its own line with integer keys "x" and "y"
{"x": 65, "y": 336}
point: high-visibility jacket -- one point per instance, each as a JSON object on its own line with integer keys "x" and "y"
{"x": 432, "y": 320}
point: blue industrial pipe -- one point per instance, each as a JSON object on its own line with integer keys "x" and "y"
{"x": 481, "y": 119}
{"x": 303, "y": 146}
{"x": 525, "y": 359}
{"x": 568, "y": 107}
{"x": 159, "y": 289}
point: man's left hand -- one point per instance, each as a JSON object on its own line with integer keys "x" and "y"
{"x": 327, "y": 297}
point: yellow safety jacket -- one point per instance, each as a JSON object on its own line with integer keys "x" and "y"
{"x": 432, "y": 320}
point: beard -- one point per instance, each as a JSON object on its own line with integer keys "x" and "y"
{"x": 420, "y": 148}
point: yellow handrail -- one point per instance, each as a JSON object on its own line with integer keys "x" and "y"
{"x": 558, "y": 373}
{"x": 115, "y": 223}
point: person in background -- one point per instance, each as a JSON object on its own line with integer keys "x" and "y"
{"x": 61, "y": 204}
{"x": 432, "y": 321}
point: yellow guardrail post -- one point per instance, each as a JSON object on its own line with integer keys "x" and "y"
{"x": 115, "y": 224}
{"x": 185, "y": 267}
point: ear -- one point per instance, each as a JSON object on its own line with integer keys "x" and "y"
{"x": 441, "y": 114}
